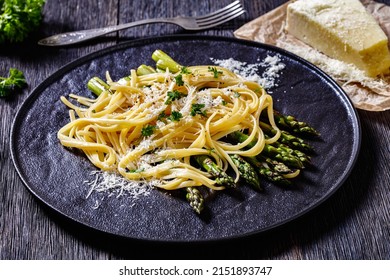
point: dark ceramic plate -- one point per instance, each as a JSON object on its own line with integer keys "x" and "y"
{"x": 56, "y": 175}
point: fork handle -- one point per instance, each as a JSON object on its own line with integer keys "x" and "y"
{"x": 74, "y": 37}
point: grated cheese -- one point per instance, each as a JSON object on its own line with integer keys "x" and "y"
{"x": 204, "y": 97}
{"x": 114, "y": 184}
{"x": 269, "y": 68}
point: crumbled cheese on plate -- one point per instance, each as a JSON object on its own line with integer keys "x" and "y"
{"x": 264, "y": 72}
{"x": 113, "y": 184}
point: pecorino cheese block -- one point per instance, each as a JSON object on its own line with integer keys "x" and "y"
{"x": 341, "y": 29}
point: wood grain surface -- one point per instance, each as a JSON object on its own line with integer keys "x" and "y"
{"x": 353, "y": 224}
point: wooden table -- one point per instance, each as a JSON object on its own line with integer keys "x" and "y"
{"x": 353, "y": 224}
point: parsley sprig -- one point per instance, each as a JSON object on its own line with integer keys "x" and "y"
{"x": 172, "y": 96}
{"x": 184, "y": 70}
{"x": 148, "y": 130}
{"x": 215, "y": 71}
{"x": 15, "y": 80}
{"x": 197, "y": 109}
{"x": 179, "y": 78}
{"x": 175, "y": 116}
{"x": 18, "y": 18}
{"x": 162, "y": 116}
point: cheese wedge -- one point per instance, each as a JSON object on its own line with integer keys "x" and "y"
{"x": 341, "y": 29}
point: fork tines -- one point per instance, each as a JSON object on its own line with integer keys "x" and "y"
{"x": 220, "y": 16}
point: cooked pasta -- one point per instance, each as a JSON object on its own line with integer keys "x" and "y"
{"x": 149, "y": 127}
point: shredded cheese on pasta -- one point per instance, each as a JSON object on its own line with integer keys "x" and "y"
{"x": 109, "y": 129}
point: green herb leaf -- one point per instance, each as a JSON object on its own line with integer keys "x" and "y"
{"x": 15, "y": 80}
{"x": 148, "y": 130}
{"x": 162, "y": 116}
{"x": 135, "y": 170}
{"x": 179, "y": 80}
{"x": 175, "y": 116}
{"x": 184, "y": 70}
{"x": 173, "y": 95}
{"x": 215, "y": 71}
{"x": 197, "y": 109}
{"x": 18, "y": 18}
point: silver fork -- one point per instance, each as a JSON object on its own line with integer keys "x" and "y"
{"x": 218, "y": 17}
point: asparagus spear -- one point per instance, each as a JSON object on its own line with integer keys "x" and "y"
{"x": 97, "y": 85}
{"x": 220, "y": 176}
{"x": 195, "y": 198}
{"x": 283, "y": 156}
{"x": 145, "y": 70}
{"x": 290, "y": 123}
{"x": 268, "y": 172}
{"x": 273, "y": 152}
{"x": 164, "y": 61}
{"x": 247, "y": 172}
{"x": 278, "y": 166}
{"x": 287, "y": 138}
{"x": 305, "y": 159}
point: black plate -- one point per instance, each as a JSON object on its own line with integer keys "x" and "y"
{"x": 56, "y": 175}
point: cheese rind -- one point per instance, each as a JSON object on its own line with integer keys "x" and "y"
{"x": 341, "y": 29}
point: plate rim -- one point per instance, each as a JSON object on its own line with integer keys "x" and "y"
{"x": 35, "y": 92}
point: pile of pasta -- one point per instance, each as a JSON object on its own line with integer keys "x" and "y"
{"x": 148, "y": 127}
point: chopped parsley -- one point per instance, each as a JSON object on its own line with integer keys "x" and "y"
{"x": 184, "y": 70}
{"x": 224, "y": 103}
{"x": 162, "y": 116}
{"x": 148, "y": 130}
{"x": 173, "y": 95}
{"x": 175, "y": 116}
{"x": 179, "y": 80}
{"x": 135, "y": 170}
{"x": 179, "y": 77}
{"x": 257, "y": 90}
{"x": 215, "y": 71}
{"x": 197, "y": 109}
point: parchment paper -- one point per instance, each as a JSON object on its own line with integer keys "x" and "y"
{"x": 371, "y": 94}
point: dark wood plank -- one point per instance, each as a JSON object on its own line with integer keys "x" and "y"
{"x": 27, "y": 230}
